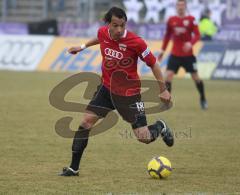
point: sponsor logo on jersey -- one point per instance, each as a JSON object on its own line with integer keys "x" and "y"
{"x": 113, "y": 53}
{"x": 185, "y": 22}
{"x": 122, "y": 47}
{"x": 179, "y": 30}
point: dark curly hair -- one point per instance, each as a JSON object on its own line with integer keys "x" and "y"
{"x": 182, "y": 1}
{"x": 114, "y": 11}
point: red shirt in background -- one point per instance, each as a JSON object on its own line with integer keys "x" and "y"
{"x": 181, "y": 30}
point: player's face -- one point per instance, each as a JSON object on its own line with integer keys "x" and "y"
{"x": 181, "y": 8}
{"x": 117, "y": 27}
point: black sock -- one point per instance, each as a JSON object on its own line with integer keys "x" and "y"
{"x": 155, "y": 131}
{"x": 80, "y": 142}
{"x": 169, "y": 86}
{"x": 200, "y": 88}
{"x": 76, "y": 157}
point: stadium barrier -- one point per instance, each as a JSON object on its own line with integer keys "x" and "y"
{"x": 216, "y": 60}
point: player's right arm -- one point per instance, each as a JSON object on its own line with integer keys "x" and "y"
{"x": 166, "y": 39}
{"x": 75, "y": 50}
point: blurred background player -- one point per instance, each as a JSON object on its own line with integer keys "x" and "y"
{"x": 120, "y": 50}
{"x": 181, "y": 29}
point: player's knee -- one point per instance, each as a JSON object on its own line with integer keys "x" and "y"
{"x": 87, "y": 124}
{"x": 88, "y": 121}
{"x": 170, "y": 76}
{"x": 195, "y": 77}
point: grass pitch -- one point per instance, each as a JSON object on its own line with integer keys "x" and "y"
{"x": 205, "y": 157}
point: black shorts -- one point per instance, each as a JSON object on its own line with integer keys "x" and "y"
{"x": 188, "y": 63}
{"x": 131, "y": 108}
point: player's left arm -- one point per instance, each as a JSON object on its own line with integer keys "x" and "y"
{"x": 147, "y": 56}
{"x": 195, "y": 36}
{"x": 164, "y": 93}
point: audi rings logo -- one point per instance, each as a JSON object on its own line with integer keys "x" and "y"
{"x": 20, "y": 53}
{"x": 113, "y": 53}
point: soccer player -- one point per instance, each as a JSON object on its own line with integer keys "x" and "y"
{"x": 184, "y": 33}
{"x": 120, "y": 86}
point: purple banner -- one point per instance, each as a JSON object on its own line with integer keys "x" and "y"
{"x": 13, "y": 28}
{"x": 229, "y": 33}
{"x": 71, "y": 29}
{"x": 229, "y": 65}
{"x": 209, "y": 57}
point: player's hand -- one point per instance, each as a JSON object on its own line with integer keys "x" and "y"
{"x": 160, "y": 55}
{"x": 187, "y": 47}
{"x": 165, "y": 96}
{"x": 74, "y": 50}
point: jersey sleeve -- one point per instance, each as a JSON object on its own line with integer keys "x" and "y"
{"x": 145, "y": 54}
{"x": 167, "y": 35}
{"x": 100, "y": 33}
{"x": 196, "y": 34}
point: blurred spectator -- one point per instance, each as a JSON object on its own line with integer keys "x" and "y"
{"x": 133, "y": 8}
{"x": 153, "y": 9}
{"x": 217, "y": 8}
{"x": 207, "y": 27}
{"x": 11, "y": 3}
{"x": 170, "y": 8}
{"x": 56, "y": 5}
{"x": 196, "y": 9}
